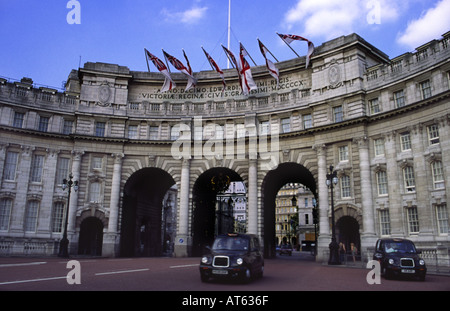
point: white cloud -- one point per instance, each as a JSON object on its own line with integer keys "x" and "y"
{"x": 190, "y": 16}
{"x": 333, "y": 18}
{"x": 431, "y": 25}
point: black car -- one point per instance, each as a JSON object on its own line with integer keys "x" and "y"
{"x": 399, "y": 257}
{"x": 233, "y": 256}
{"x": 286, "y": 249}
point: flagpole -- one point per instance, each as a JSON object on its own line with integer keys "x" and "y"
{"x": 146, "y": 58}
{"x": 167, "y": 64}
{"x": 248, "y": 53}
{"x": 229, "y": 30}
{"x": 288, "y": 45}
{"x": 228, "y": 57}
{"x": 208, "y": 59}
{"x": 268, "y": 50}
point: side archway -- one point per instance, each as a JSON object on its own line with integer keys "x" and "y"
{"x": 141, "y": 225}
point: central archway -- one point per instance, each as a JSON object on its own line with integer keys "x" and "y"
{"x": 285, "y": 173}
{"x": 206, "y": 222}
{"x": 141, "y": 226}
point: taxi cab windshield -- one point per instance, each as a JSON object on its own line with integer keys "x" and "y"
{"x": 230, "y": 243}
{"x": 400, "y": 247}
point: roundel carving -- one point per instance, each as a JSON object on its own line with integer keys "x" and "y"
{"x": 334, "y": 75}
{"x": 104, "y": 93}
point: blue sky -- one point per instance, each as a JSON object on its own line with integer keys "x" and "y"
{"x": 38, "y": 42}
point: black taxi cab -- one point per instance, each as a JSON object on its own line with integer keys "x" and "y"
{"x": 399, "y": 257}
{"x": 233, "y": 256}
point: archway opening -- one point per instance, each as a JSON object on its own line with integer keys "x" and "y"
{"x": 285, "y": 173}
{"x": 142, "y": 213}
{"x": 347, "y": 232}
{"x": 212, "y": 213}
{"x": 91, "y": 237}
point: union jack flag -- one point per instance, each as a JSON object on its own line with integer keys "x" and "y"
{"x": 156, "y": 61}
{"x": 168, "y": 82}
{"x": 179, "y": 66}
{"x": 289, "y": 38}
{"x": 216, "y": 68}
{"x": 269, "y": 64}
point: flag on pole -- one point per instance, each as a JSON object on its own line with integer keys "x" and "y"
{"x": 215, "y": 67}
{"x": 270, "y": 65}
{"x": 179, "y": 66}
{"x": 247, "y": 82}
{"x": 289, "y": 38}
{"x": 233, "y": 61}
{"x": 168, "y": 82}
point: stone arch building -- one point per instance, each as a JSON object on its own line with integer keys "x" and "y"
{"x": 384, "y": 124}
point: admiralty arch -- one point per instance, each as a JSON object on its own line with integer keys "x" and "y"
{"x": 383, "y": 124}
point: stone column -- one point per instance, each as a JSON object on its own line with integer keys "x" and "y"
{"x": 324, "y": 225}
{"x": 368, "y": 237}
{"x": 73, "y": 204}
{"x": 115, "y": 193}
{"x": 395, "y": 183}
{"x": 252, "y": 221}
{"x": 182, "y": 240}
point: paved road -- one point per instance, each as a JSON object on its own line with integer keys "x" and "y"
{"x": 296, "y": 273}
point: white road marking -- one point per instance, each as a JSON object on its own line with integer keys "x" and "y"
{"x": 6, "y": 265}
{"x": 35, "y": 280}
{"x": 121, "y": 271}
{"x": 184, "y": 266}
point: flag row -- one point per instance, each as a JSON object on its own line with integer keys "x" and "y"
{"x": 240, "y": 64}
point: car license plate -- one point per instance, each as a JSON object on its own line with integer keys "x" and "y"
{"x": 221, "y": 272}
{"x": 408, "y": 271}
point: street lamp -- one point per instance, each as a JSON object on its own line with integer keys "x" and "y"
{"x": 64, "y": 243}
{"x": 332, "y": 180}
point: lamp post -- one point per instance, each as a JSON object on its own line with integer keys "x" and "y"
{"x": 64, "y": 243}
{"x": 332, "y": 180}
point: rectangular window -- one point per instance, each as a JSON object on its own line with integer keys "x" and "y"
{"x": 100, "y": 129}
{"x": 286, "y": 125}
{"x": 382, "y": 183}
{"x": 379, "y": 146}
{"x": 343, "y": 153}
{"x": 133, "y": 131}
{"x": 399, "y": 98}
{"x": 374, "y": 106}
{"x": 9, "y": 172}
{"x": 425, "y": 88}
{"x": 31, "y": 216}
{"x": 43, "y": 124}
{"x": 385, "y": 223}
{"x": 338, "y": 114}
{"x": 67, "y": 127}
{"x": 442, "y": 219}
{"x": 438, "y": 174}
{"x": 5, "y": 213}
{"x": 97, "y": 163}
{"x": 175, "y": 132}
{"x": 413, "y": 219}
{"x": 307, "y": 121}
{"x": 62, "y": 170}
{"x": 58, "y": 217}
{"x": 408, "y": 177}
{"x": 405, "y": 141}
{"x": 94, "y": 193}
{"x": 433, "y": 134}
{"x": 153, "y": 132}
{"x": 264, "y": 127}
{"x": 18, "y": 119}
{"x": 345, "y": 186}
{"x": 37, "y": 165}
